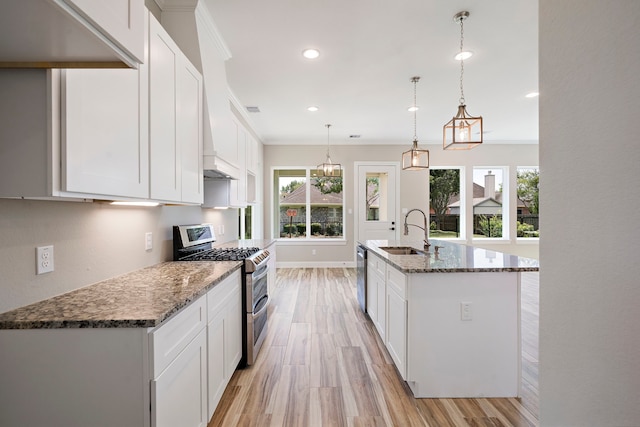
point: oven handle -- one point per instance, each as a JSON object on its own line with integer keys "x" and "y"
{"x": 266, "y": 305}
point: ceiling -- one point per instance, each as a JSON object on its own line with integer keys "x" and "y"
{"x": 369, "y": 50}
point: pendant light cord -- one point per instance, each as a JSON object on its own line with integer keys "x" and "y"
{"x": 461, "y": 59}
{"x": 415, "y": 108}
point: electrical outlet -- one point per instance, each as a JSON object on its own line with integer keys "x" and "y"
{"x": 465, "y": 311}
{"x": 44, "y": 259}
{"x": 148, "y": 241}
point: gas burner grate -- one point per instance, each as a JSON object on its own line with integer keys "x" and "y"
{"x": 223, "y": 254}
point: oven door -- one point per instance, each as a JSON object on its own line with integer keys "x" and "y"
{"x": 256, "y": 316}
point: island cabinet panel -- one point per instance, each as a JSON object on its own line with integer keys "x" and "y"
{"x": 396, "y": 322}
{"x": 451, "y": 357}
{"x": 376, "y": 293}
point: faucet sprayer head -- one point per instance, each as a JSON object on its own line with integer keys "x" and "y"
{"x": 406, "y": 229}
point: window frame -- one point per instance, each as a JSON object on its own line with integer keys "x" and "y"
{"x": 505, "y": 205}
{"x": 462, "y": 216}
{"x": 307, "y": 239}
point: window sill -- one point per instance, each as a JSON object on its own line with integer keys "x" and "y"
{"x": 311, "y": 241}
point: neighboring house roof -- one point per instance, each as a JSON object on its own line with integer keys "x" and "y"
{"x": 299, "y": 197}
{"x": 479, "y": 199}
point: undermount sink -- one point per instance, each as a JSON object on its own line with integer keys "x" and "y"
{"x": 402, "y": 250}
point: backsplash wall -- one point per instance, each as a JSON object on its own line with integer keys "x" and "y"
{"x": 92, "y": 242}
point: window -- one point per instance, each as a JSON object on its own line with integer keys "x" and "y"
{"x": 489, "y": 202}
{"x": 309, "y": 206}
{"x": 527, "y": 182}
{"x": 445, "y": 203}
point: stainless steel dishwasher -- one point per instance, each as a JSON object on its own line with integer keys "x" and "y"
{"x": 361, "y": 283}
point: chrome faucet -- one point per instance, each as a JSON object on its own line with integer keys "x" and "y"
{"x": 424, "y": 228}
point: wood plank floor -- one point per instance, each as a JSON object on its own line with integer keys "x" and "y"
{"x": 323, "y": 364}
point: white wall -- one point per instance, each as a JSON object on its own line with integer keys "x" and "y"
{"x": 413, "y": 189}
{"x": 92, "y": 242}
{"x": 590, "y": 196}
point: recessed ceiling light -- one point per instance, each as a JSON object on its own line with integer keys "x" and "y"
{"x": 413, "y": 108}
{"x": 311, "y": 53}
{"x": 313, "y": 108}
{"x": 463, "y": 55}
{"x": 532, "y": 94}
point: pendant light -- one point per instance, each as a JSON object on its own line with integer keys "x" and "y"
{"x": 415, "y": 159}
{"x": 464, "y": 131}
{"x": 329, "y": 168}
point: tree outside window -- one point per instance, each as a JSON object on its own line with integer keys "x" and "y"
{"x": 444, "y": 203}
{"x": 528, "y": 180}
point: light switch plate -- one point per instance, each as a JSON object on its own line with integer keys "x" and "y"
{"x": 148, "y": 241}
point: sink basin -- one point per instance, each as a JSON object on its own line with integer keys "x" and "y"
{"x": 402, "y": 250}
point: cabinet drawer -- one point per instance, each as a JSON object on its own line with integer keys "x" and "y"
{"x": 376, "y": 264}
{"x": 218, "y": 296}
{"x": 397, "y": 281}
{"x": 170, "y": 338}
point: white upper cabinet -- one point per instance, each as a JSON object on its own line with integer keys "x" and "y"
{"x": 72, "y": 33}
{"x": 74, "y": 133}
{"x": 175, "y": 121}
{"x": 105, "y": 136}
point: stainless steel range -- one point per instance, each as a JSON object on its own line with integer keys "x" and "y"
{"x": 195, "y": 243}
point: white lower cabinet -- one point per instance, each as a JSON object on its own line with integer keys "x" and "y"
{"x": 179, "y": 394}
{"x": 179, "y": 369}
{"x": 396, "y": 321}
{"x": 376, "y": 293}
{"x": 224, "y": 336}
{"x": 171, "y": 375}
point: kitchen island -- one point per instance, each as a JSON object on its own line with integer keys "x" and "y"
{"x": 450, "y": 320}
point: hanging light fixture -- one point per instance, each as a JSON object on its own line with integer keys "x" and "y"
{"x": 415, "y": 159}
{"x": 329, "y": 168}
{"x": 464, "y": 131}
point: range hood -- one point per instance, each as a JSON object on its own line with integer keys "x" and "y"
{"x": 190, "y": 24}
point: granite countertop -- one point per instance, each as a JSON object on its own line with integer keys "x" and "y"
{"x": 452, "y": 258}
{"x": 140, "y": 299}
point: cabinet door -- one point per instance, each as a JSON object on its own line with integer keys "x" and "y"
{"x": 179, "y": 394}
{"x": 372, "y": 294}
{"x": 104, "y": 116}
{"x": 189, "y": 130}
{"x": 233, "y": 332}
{"x": 165, "y": 160}
{"x": 381, "y": 298}
{"x": 215, "y": 362}
{"x": 121, "y": 21}
{"x": 397, "y": 330}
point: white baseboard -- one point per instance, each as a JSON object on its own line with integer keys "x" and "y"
{"x": 321, "y": 264}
